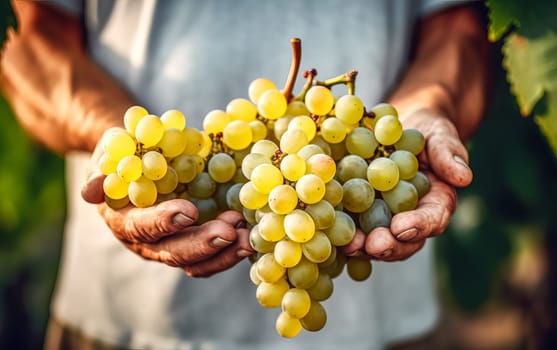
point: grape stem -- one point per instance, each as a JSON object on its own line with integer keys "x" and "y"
{"x": 309, "y": 75}
{"x": 296, "y": 44}
{"x": 349, "y": 79}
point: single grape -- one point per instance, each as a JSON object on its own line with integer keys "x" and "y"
{"x": 379, "y": 111}
{"x": 421, "y": 182}
{"x": 319, "y": 100}
{"x": 338, "y": 150}
{"x": 342, "y": 231}
{"x": 258, "y": 86}
{"x": 361, "y": 142}
{"x": 333, "y": 130}
{"x": 233, "y": 197}
{"x": 287, "y": 252}
{"x": 272, "y": 104}
{"x": 154, "y": 165}
{"x": 132, "y": 116}
{"x": 322, "y": 165}
{"x": 349, "y": 109}
{"x": 221, "y": 167}
{"x": 173, "y": 119}
{"x": 195, "y": 141}
{"x": 108, "y": 165}
{"x": 283, "y": 199}
{"x": 129, "y": 168}
{"x": 388, "y": 130}
{"x": 322, "y": 213}
{"x": 241, "y": 109}
{"x": 280, "y": 126}
{"x": 271, "y": 227}
{"x": 358, "y": 195}
{"x": 265, "y": 177}
{"x": 378, "y": 215}
{"x": 168, "y": 182}
{"x": 299, "y": 226}
{"x": 358, "y": 269}
{"x": 115, "y": 187}
{"x": 237, "y": 135}
{"x": 172, "y": 143}
{"x": 206, "y": 207}
{"x": 270, "y": 294}
{"x": 304, "y": 274}
{"x": 407, "y": 163}
{"x": 258, "y": 243}
{"x": 412, "y": 140}
{"x": 309, "y": 150}
{"x": 186, "y": 168}
{"x": 292, "y": 167}
{"x": 304, "y": 123}
{"x": 310, "y": 188}
{"x": 296, "y": 108}
{"x": 318, "y": 249}
{"x": 149, "y": 131}
{"x": 403, "y": 197}
{"x": 351, "y": 167}
{"x": 316, "y": 317}
{"x": 296, "y": 302}
{"x": 258, "y": 130}
{"x": 322, "y": 289}
{"x": 333, "y": 192}
{"x": 293, "y": 140}
{"x": 202, "y": 186}
{"x": 215, "y": 121}
{"x": 142, "y": 192}
{"x": 117, "y": 144}
{"x": 287, "y": 326}
{"x": 117, "y": 203}
{"x": 268, "y": 269}
{"x": 253, "y": 275}
{"x": 251, "y": 161}
{"x": 251, "y": 198}
{"x": 383, "y": 174}
{"x": 266, "y": 147}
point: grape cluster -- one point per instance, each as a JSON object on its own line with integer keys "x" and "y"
{"x": 305, "y": 171}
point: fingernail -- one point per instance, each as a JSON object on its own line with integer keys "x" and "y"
{"x": 459, "y": 160}
{"x": 220, "y": 242}
{"x": 355, "y": 254}
{"x": 241, "y": 224}
{"x": 182, "y": 220}
{"x": 407, "y": 235}
{"x": 242, "y": 253}
{"x": 386, "y": 253}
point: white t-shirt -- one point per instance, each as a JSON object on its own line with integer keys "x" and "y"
{"x": 196, "y": 56}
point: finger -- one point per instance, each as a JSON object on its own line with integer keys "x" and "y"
{"x": 224, "y": 260}
{"x": 234, "y": 218}
{"x": 147, "y": 225}
{"x": 430, "y": 218}
{"x": 192, "y": 245}
{"x": 381, "y": 245}
{"x": 447, "y": 156}
{"x": 356, "y": 247}
{"x": 92, "y": 191}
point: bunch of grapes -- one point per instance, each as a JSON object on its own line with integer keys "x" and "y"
{"x": 305, "y": 171}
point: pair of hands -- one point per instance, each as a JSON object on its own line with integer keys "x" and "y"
{"x": 167, "y": 231}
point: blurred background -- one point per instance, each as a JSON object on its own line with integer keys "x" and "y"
{"x": 497, "y": 262}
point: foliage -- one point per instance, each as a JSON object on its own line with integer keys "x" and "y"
{"x": 7, "y": 20}
{"x": 528, "y": 29}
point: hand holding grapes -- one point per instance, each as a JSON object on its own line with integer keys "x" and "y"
{"x": 167, "y": 231}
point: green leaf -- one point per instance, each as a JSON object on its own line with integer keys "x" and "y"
{"x": 502, "y": 14}
{"x": 546, "y": 118}
{"x": 7, "y": 20}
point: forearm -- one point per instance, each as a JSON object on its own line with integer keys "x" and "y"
{"x": 449, "y": 72}
{"x": 61, "y": 97}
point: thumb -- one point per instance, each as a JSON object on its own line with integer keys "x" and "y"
{"x": 92, "y": 191}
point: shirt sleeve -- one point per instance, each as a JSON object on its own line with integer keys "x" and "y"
{"x": 430, "y": 6}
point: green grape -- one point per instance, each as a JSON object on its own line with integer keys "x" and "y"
{"x": 330, "y": 260}
{"x": 221, "y": 167}
{"x": 265, "y": 177}
{"x": 292, "y": 167}
{"x": 358, "y": 195}
{"x": 351, "y": 167}
{"x": 296, "y": 302}
{"x": 168, "y": 182}
{"x": 324, "y": 145}
{"x": 207, "y": 209}
{"x": 361, "y": 142}
{"x": 154, "y": 165}
{"x": 195, "y": 141}
{"x": 108, "y": 165}
{"x": 270, "y": 294}
{"x": 258, "y": 86}
{"x": 412, "y": 140}
{"x": 249, "y": 215}
{"x": 280, "y": 126}
{"x": 283, "y": 199}
{"x": 271, "y": 227}
{"x": 262, "y": 211}
{"x": 118, "y": 144}
{"x": 407, "y": 163}
{"x": 379, "y": 111}
{"x": 129, "y": 168}
{"x": 333, "y": 192}
{"x": 318, "y": 249}
{"x": 161, "y": 197}
{"x": 319, "y": 100}
{"x": 215, "y": 121}
{"x": 251, "y": 198}
{"x": 342, "y": 231}
{"x": 304, "y": 275}
{"x": 149, "y": 131}
{"x": 253, "y": 275}
{"x": 316, "y": 318}
{"x": 272, "y": 104}
{"x": 338, "y": 150}
{"x": 266, "y": 147}
{"x": 304, "y": 123}
{"x": 172, "y": 143}
{"x": 117, "y": 203}
{"x": 322, "y": 165}
{"x": 186, "y": 168}
{"x": 233, "y": 197}
{"x": 322, "y": 289}
{"x": 251, "y": 161}
{"x": 309, "y": 150}
{"x": 241, "y": 109}
{"x": 132, "y": 116}
{"x": 287, "y": 252}
{"x": 299, "y": 226}
{"x": 322, "y": 213}
{"x": 220, "y": 195}
{"x": 115, "y": 187}
{"x": 239, "y": 177}
{"x": 287, "y": 326}
{"x": 258, "y": 130}
{"x": 296, "y": 108}
{"x": 383, "y": 174}
{"x": 358, "y": 269}
{"x": 333, "y": 130}
{"x": 349, "y": 109}
{"x": 378, "y": 215}
{"x": 173, "y": 119}
{"x": 403, "y": 197}
{"x": 336, "y": 267}
{"x": 237, "y": 135}
{"x": 421, "y": 182}
{"x": 293, "y": 140}
{"x": 205, "y": 146}
{"x": 258, "y": 243}
{"x": 142, "y": 192}
{"x": 310, "y": 188}
{"x": 268, "y": 269}
{"x": 202, "y": 186}
{"x": 239, "y": 155}
{"x": 388, "y": 130}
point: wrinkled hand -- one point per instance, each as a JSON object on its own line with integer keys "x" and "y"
{"x": 166, "y": 232}
{"x": 444, "y": 161}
